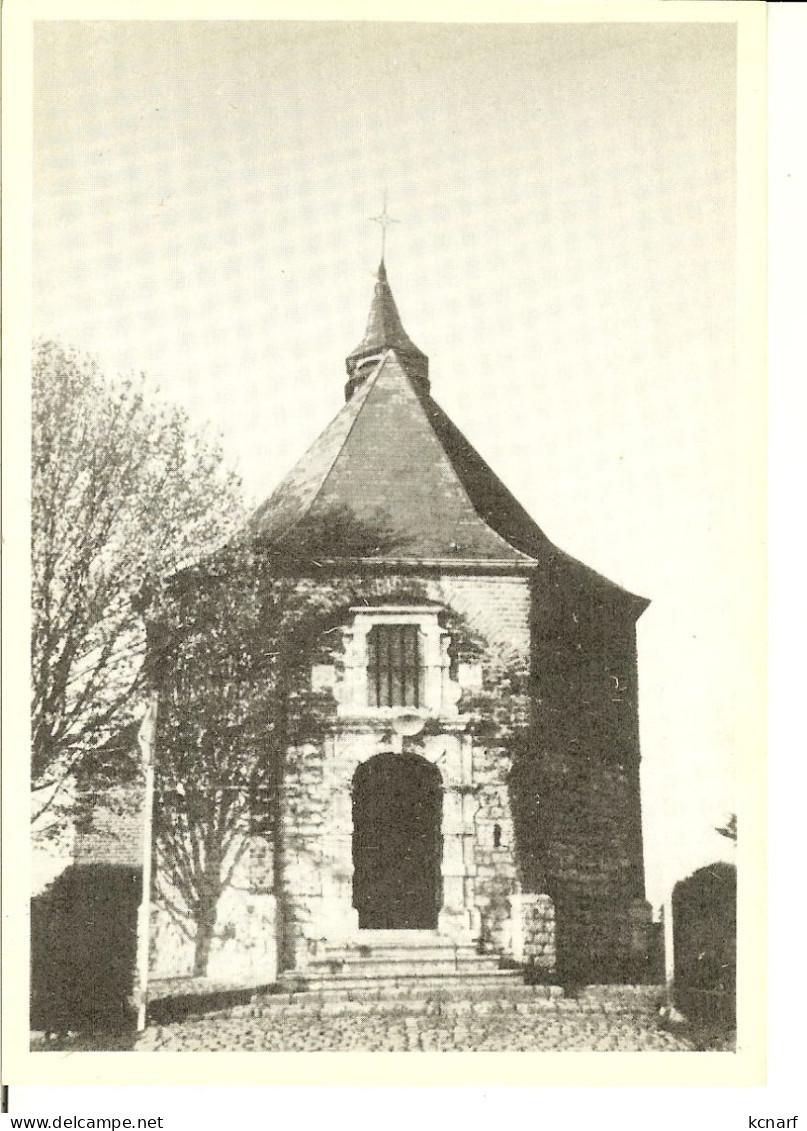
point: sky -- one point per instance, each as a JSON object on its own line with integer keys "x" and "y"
{"x": 565, "y": 256}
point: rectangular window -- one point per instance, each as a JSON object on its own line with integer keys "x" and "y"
{"x": 395, "y": 671}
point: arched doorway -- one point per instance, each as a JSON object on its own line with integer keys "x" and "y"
{"x": 397, "y": 844}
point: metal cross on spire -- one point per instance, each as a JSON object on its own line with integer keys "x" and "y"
{"x": 384, "y": 219}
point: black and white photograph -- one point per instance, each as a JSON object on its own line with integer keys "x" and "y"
{"x": 393, "y": 538}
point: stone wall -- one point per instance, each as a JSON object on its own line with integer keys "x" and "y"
{"x": 585, "y": 770}
{"x": 495, "y": 849}
{"x": 495, "y": 607}
{"x": 497, "y": 610}
{"x": 564, "y": 828}
{"x": 306, "y": 851}
{"x": 488, "y": 621}
{"x": 110, "y": 827}
{"x": 533, "y": 930}
{"x": 244, "y": 947}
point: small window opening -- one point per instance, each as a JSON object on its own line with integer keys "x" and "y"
{"x": 497, "y": 836}
{"x": 395, "y": 669}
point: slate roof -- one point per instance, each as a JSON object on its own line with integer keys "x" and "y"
{"x": 383, "y": 460}
{"x": 392, "y": 479}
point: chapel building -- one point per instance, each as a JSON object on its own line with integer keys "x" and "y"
{"x": 475, "y": 781}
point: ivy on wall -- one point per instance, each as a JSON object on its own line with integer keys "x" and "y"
{"x": 232, "y": 643}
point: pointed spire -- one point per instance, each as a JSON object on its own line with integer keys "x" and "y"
{"x": 385, "y": 331}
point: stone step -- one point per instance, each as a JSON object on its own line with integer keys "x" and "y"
{"x": 411, "y": 1007}
{"x": 394, "y": 953}
{"x": 445, "y": 992}
{"x": 456, "y": 1001}
{"x": 358, "y": 982}
{"x": 408, "y": 939}
{"x": 404, "y": 1003}
{"x": 401, "y": 967}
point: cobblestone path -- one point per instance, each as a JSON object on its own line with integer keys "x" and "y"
{"x": 462, "y": 1027}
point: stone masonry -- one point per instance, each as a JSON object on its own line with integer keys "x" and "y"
{"x": 462, "y": 740}
{"x": 478, "y": 866}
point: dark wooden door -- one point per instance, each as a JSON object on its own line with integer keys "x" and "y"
{"x": 397, "y": 844}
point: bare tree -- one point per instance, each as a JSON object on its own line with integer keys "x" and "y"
{"x": 217, "y": 717}
{"x": 122, "y": 491}
{"x": 232, "y": 639}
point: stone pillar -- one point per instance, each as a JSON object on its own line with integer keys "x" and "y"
{"x": 451, "y": 750}
{"x": 453, "y": 919}
{"x": 339, "y": 919}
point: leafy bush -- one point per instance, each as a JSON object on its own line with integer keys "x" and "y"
{"x": 83, "y": 949}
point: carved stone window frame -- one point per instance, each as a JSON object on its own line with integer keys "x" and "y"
{"x": 440, "y": 692}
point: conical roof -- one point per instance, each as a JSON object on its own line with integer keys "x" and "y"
{"x": 393, "y": 480}
{"x": 387, "y": 464}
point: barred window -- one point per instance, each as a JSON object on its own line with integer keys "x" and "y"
{"x": 395, "y": 669}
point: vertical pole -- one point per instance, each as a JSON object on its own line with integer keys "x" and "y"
{"x": 147, "y": 739}
{"x": 669, "y": 949}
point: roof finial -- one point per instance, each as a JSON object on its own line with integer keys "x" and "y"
{"x": 384, "y": 219}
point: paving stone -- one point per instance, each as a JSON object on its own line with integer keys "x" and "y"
{"x": 426, "y": 1026}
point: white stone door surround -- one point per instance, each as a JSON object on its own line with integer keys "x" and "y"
{"x": 435, "y": 731}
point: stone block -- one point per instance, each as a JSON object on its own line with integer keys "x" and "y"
{"x": 532, "y": 927}
{"x": 469, "y": 676}
{"x": 323, "y": 677}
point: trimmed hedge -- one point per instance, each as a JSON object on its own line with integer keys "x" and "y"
{"x": 84, "y": 948}
{"x": 705, "y": 943}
